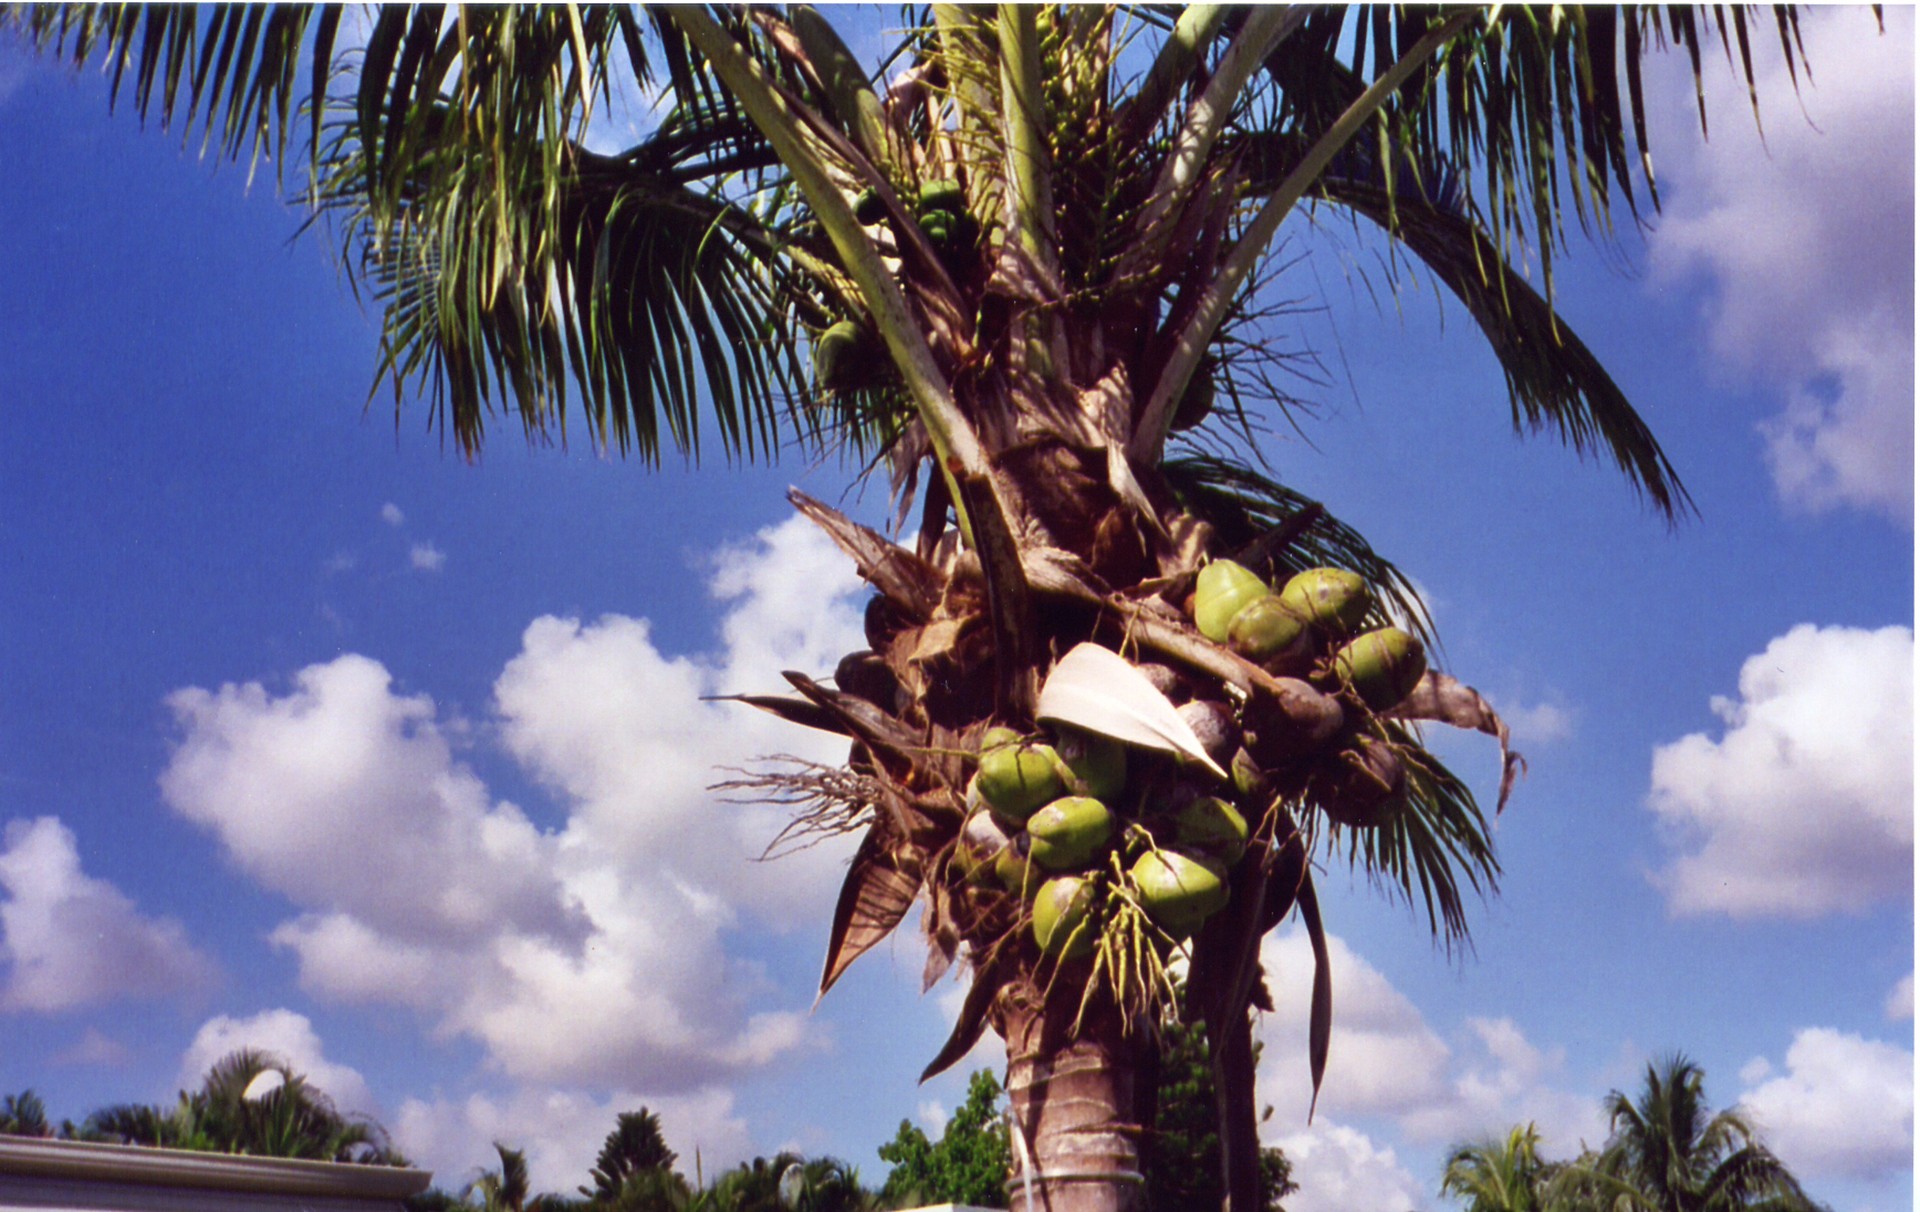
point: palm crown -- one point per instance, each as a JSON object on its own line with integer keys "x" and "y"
{"x": 1023, "y": 267}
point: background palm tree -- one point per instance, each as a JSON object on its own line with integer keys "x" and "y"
{"x": 249, "y": 1102}
{"x": 502, "y": 1190}
{"x": 1025, "y": 270}
{"x": 634, "y": 1171}
{"x": 24, "y": 1114}
{"x": 1500, "y": 1175}
{"x": 1667, "y": 1151}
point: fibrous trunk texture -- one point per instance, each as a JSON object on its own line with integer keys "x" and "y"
{"x": 1076, "y": 1104}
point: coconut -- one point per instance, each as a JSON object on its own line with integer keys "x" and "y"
{"x": 942, "y": 195}
{"x": 1018, "y": 780}
{"x": 1196, "y": 402}
{"x": 982, "y": 839}
{"x": 1252, "y": 782}
{"x": 1361, "y": 786}
{"x": 868, "y": 209}
{"x": 1212, "y": 827}
{"x": 836, "y": 354}
{"x": 1332, "y": 599}
{"x": 1069, "y": 832}
{"x": 1099, "y": 763}
{"x": 1063, "y": 922}
{"x": 1213, "y": 726}
{"x": 1267, "y": 630}
{"x": 1219, "y": 592}
{"x": 1178, "y": 892}
{"x": 1382, "y": 666}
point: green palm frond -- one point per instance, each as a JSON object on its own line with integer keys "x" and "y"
{"x": 234, "y": 70}
{"x": 1476, "y": 164}
{"x": 1435, "y": 849}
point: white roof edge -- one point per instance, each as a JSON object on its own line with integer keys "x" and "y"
{"x": 215, "y": 1171}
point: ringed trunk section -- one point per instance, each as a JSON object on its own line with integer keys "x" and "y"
{"x": 1077, "y": 1101}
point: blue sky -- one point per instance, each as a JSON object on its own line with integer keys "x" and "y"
{"x": 315, "y": 737}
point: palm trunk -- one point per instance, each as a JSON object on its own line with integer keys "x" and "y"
{"x": 1075, "y": 1104}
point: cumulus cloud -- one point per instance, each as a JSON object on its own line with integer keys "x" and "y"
{"x": 341, "y": 765}
{"x": 289, "y": 1037}
{"x": 95, "y": 1047}
{"x": 1899, "y": 1003}
{"x": 69, "y": 940}
{"x": 1340, "y": 1169}
{"x": 595, "y": 952}
{"x": 1541, "y": 723}
{"x": 425, "y": 557}
{"x": 1807, "y": 249}
{"x": 1804, "y": 805}
{"x": 1843, "y": 1108}
{"x": 391, "y": 514}
{"x": 561, "y": 1131}
{"x": 1385, "y": 1060}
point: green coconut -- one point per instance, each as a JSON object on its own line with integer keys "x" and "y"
{"x": 1068, "y": 832}
{"x": 1212, "y": 827}
{"x": 1252, "y": 782}
{"x": 1178, "y": 892}
{"x": 1063, "y": 913}
{"x": 1196, "y": 402}
{"x": 1382, "y": 666}
{"x": 1221, "y": 589}
{"x": 1098, "y": 762}
{"x": 1267, "y": 629}
{"x": 939, "y": 225}
{"x": 836, "y": 355}
{"x": 1018, "y": 780}
{"x": 942, "y": 195}
{"x": 1332, "y": 599}
{"x": 868, "y": 209}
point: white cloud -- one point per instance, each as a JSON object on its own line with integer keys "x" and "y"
{"x": 1899, "y": 1003}
{"x": 69, "y": 940}
{"x": 561, "y": 1131}
{"x": 1542, "y": 723}
{"x": 1340, "y": 1169}
{"x": 598, "y": 952}
{"x": 341, "y": 765}
{"x": 1805, "y": 805}
{"x": 934, "y": 1117}
{"x": 425, "y": 557}
{"x": 95, "y": 1047}
{"x": 1808, "y": 247}
{"x": 391, "y": 515}
{"x": 1843, "y": 1108}
{"x": 1385, "y": 1060}
{"x": 286, "y": 1035}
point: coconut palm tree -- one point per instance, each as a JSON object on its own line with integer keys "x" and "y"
{"x": 1023, "y": 265}
{"x": 249, "y": 1102}
{"x": 1667, "y": 1151}
{"x": 1499, "y": 1175}
{"x": 24, "y": 1114}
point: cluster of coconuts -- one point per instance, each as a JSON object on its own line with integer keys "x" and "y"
{"x": 1049, "y": 818}
{"x": 1310, "y": 627}
{"x": 940, "y": 208}
{"x": 848, "y": 355}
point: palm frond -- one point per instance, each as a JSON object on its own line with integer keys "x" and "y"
{"x": 1438, "y": 846}
{"x": 232, "y": 69}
